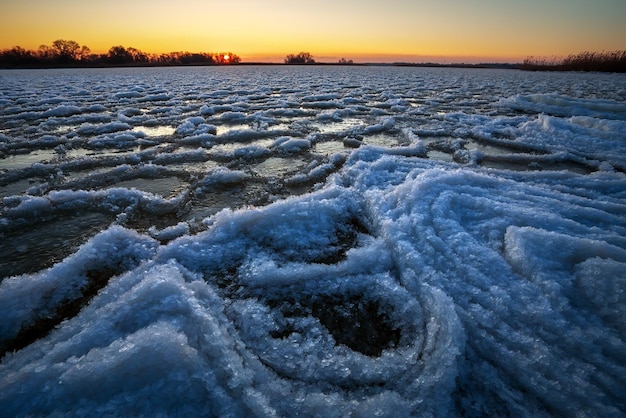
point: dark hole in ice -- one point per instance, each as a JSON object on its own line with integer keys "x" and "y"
{"x": 353, "y": 321}
{"x": 40, "y": 243}
{"x": 358, "y": 324}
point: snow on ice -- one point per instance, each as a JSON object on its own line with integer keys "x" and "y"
{"x": 319, "y": 241}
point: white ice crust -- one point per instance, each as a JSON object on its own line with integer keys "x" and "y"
{"x": 495, "y": 292}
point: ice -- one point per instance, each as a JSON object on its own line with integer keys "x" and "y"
{"x": 312, "y": 241}
{"x": 155, "y": 97}
{"x": 123, "y": 140}
{"x": 290, "y": 145}
{"x": 555, "y": 104}
{"x": 222, "y": 175}
{"x": 233, "y": 117}
{"x": 115, "y": 249}
{"x": 62, "y": 111}
{"x": 169, "y": 233}
{"x": 91, "y": 129}
{"x": 196, "y": 126}
{"x": 333, "y": 147}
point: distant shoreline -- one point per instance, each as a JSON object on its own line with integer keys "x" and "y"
{"x": 504, "y": 66}
{"x": 70, "y": 54}
{"x": 317, "y": 64}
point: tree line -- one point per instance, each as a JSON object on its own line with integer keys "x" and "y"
{"x": 612, "y": 61}
{"x": 299, "y": 59}
{"x": 305, "y": 58}
{"x": 67, "y": 53}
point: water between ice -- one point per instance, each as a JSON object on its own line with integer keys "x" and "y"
{"x": 330, "y": 241}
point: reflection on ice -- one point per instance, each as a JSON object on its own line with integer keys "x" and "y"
{"x": 233, "y": 146}
{"x": 382, "y": 140}
{"x": 102, "y": 152}
{"x": 166, "y": 187}
{"x": 19, "y": 187}
{"x": 225, "y": 129}
{"x": 526, "y": 163}
{"x": 278, "y": 167}
{"x": 329, "y": 147}
{"x": 42, "y": 245}
{"x": 489, "y": 149}
{"x": 155, "y": 130}
{"x": 345, "y": 125}
{"x": 18, "y": 161}
{"x": 440, "y": 156}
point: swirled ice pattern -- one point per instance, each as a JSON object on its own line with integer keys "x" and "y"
{"x": 318, "y": 241}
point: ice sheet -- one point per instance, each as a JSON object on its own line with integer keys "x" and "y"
{"x": 349, "y": 250}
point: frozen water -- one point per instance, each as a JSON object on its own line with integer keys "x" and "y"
{"x": 317, "y": 241}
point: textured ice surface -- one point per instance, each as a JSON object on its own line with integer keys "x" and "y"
{"x": 323, "y": 241}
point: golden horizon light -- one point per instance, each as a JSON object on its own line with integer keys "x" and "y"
{"x": 361, "y": 30}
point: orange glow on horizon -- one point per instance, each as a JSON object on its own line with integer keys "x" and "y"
{"x": 398, "y": 30}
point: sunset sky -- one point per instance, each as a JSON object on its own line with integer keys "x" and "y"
{"x": 362, "y": 30}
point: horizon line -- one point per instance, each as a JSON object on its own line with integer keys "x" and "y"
{"x": 357, "y": 57}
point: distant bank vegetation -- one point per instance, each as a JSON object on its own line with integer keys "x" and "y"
{"x": 305, "y": 58}
{"x": 612, "y": 62}
{"x": 299, "y": 59}
{"x": 64, "y": 53}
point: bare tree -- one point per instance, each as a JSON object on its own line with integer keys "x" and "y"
{"x": 137, "y": 55}
{"x": 301, "y": 58}
{"x": 119, "y": 55}
{"x": 66, "y": 51}
{"x": 45, "y": 52}
{"x": 226, "y": 58}
{"x": 84, "y": 53}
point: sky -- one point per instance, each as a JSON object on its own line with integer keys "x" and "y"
{"x": 361, "y": 30}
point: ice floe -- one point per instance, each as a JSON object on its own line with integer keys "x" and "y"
{"x": 317, "y": 241}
